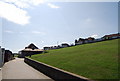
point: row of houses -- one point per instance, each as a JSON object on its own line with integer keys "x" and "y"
{"x": 111, "y": 36}
{"x": 57, "y": 47}
{"x": 85, "y": 41}
{"x": 92, "y": 40}
{"x": 5, "y": 56}
{"x": 32, "y": 49}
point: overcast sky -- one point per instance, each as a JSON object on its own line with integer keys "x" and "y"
{"x": 46, "y": 23}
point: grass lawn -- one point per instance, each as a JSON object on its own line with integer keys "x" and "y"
{"x": 95, "y": 61}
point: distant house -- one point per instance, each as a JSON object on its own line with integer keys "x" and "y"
{"x": 30, "y": 50}
{"x": 80, "y": 41}
{"x": 31, "y": 46}
{"x": 54, "y": 47}
{"x": 71, "y": 45}
{"x": 98, "y": 40}
{"x": 47, "y": 48}
{"x": 64, "y": 45}
{"x": 86, "y": 41}
{"x": 58, "y": 46}
{"x": 90, "y": 39}
{"x": 111, "y": 36}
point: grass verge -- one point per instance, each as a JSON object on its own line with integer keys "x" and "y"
{"x": 94, "y": 61}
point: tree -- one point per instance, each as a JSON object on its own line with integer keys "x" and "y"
{"x": 76, "y": 41}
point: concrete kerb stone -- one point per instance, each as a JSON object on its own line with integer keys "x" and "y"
{"x": 53, "y": 72}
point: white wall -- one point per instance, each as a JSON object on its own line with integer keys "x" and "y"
{"x": 0, "y": 57}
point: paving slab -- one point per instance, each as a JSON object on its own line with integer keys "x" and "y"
{"x": 18, "y": 69}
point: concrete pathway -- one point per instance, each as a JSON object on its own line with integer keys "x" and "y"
{"x": 17, "y": 69}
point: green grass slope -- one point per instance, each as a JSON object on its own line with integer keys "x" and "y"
{"x": 96, "y": 60}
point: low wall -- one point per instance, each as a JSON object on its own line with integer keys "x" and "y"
{"x": 54, "y": 73}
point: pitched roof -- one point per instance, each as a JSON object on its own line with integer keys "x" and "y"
{"x": 32, "y": 46}
{"x": 64, "y": 44}
{"x": 28, "y": 49}
{"x": 111, "y": 35}
{"x": 90, "y": 38}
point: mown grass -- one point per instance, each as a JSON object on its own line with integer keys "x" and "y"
{"x": 95, "y": 60}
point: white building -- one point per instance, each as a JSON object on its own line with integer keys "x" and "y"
{"x": 64, "y": 45}
{"x": 1, "y": 56}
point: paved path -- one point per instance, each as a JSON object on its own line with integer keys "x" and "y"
{"x": 17, "y": 69}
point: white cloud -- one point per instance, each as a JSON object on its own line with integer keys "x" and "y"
{"x": 24, "y": 3}
{"x": 88, "y": 20}
{"x": 87, "y": 23}
{"x": 38, "y": 32}
{"x": 17, "y": 50}
{"x": 82, "y": 0}
{"x": 95, "y": 36}
{"x": 18, "y": 3}
{"x": 21, "y": 32}
{"x": 13, "y": 14}
{"x": 36, "y": 2}
{"x": 8, "y": 31}
{"x": 42, "y": 41}
{"x": 52, "y": 5}
{"x": 13, "y": 11}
